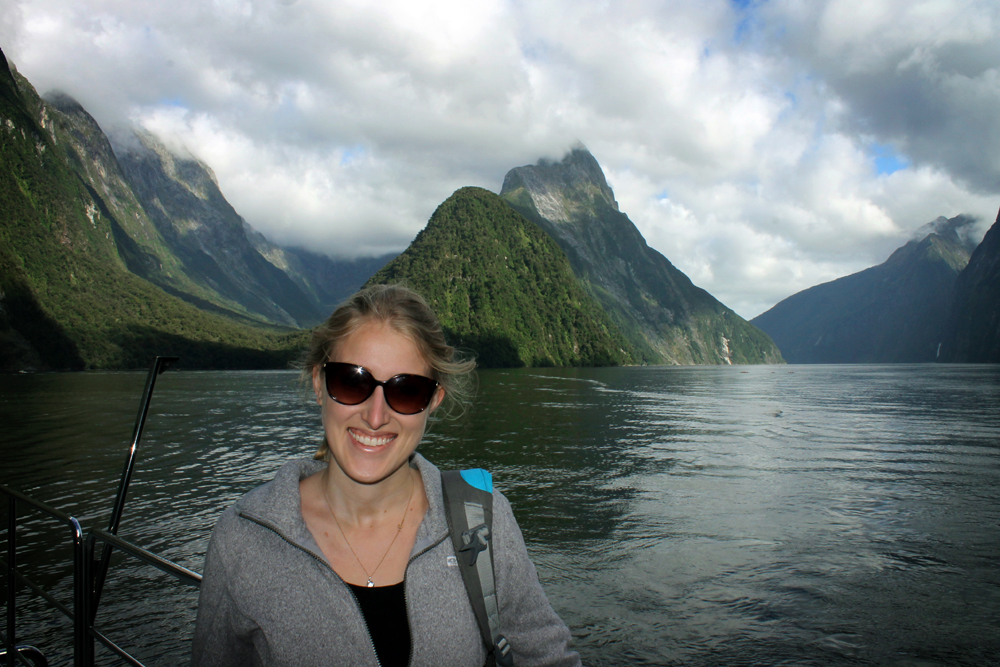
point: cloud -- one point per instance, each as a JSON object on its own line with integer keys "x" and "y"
{"x": 762, "y": 147}
{"x": 923, "y": 76}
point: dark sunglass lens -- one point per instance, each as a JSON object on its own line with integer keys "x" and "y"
{"x": 409, "y": 394}
{"x": 348, "y": 384}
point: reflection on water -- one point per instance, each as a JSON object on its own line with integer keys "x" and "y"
{"x": 800, "y": 515}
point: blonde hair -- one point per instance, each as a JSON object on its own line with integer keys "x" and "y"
{"x": 405, "y": 311}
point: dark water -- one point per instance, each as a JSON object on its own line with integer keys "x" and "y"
{"x": 801, "y": 515}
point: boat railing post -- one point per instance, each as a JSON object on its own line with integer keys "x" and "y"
{"x": 159, "y": 365}
{"x": 81, "y": 590}
{"x": 85, "y": 621}
{"x": 11, "y": 579}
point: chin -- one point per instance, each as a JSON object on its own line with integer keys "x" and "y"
{"x": 368, "y": 472}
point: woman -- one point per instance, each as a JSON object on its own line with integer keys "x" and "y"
{"x": 346, "y": 559}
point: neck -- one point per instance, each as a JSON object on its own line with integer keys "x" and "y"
{"x": 368, "y": 505}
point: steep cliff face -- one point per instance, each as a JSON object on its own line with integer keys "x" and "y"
{"x": 894, "y": 312}
{"x": 503, "y": 288}
{"x": 665, "y": 316}
{"x": 182, "y": 199}
{"x": 974, "y": 325}
{"x": 67, "y": 298}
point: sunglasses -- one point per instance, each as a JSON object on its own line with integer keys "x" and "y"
{"x": 405, "y": 393}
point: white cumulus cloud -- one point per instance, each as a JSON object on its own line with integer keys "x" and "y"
{"x": 763, "y": 147}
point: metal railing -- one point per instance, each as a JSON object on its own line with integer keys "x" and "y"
{"x": 186, "y": 576}
{"x": 89, "y": 569}
{"x": 13, "y": 577}
{"x": 85, "y": 599}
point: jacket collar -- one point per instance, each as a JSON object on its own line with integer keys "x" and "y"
{"x": 277, "y": 505}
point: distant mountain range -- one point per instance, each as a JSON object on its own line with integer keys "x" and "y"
{"x": 114, "y": 250}
{"x": 927, "y": 302}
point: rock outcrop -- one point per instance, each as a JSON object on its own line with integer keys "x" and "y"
{"x": 665, "y": 317}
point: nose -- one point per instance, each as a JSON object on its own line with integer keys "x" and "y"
{"x": 376, "y": 412}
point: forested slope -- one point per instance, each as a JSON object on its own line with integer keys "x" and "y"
{"x": 504, "y": 289}
{"x": 67, "y": 299}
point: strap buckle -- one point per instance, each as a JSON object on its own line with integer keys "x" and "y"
{"x": 475, "y": 540}
{"x": 502, "y": 653}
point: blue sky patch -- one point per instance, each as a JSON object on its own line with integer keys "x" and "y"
{"x": 174, "y": 102}
{"x": 887, "y": 160}
{"x": 352, "y": 155}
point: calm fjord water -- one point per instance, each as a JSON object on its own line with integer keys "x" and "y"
{"x": 800, "y": 515}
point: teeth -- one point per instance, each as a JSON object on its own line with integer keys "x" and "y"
{"x": 370, "y": 441}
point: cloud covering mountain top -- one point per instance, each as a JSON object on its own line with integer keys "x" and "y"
{"x": 762, "y": 146}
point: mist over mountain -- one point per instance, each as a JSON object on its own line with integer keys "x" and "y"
{"x": 326, "y": 281}
{"x": 183, "y": 200}
{"x": 973, "y": 333}
{"x": 112, "y": 251}
{"x": 67, "y": 297}
{"x": 895, "y": 312}
{"x": 666, "y": 318}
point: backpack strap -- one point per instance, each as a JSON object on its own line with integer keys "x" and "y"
{"x": 468, "y": 502}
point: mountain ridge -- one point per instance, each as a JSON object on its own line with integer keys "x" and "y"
{"x": 895, "y": 312}
{"x": 504, "y": 288}
{"x": 666, "y": 317}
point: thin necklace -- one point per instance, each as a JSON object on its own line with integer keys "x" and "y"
{"x": 399, "y": 529}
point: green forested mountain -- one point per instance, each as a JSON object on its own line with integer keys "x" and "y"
{"x": 974, "y": 323}
{"x": 503, "y": 288}
{"x": 666, "y": 318}
{"x": 67, "y": 298}
{"x": 895, "y": 312}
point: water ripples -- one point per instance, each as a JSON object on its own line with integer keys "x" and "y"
{"x": 697, "y": 516}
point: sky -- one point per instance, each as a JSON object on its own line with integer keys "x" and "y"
{"x": 762, "y": 146}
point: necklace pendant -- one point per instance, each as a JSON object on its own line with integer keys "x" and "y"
{"x": 371, "y": 584}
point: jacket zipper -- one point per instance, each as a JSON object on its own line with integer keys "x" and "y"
{"x": 357, "y": 604}
{"x": 406, "y": 601}
{"x": 323, "y": 561}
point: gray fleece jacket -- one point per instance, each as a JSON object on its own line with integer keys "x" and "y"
{"x": 270, "y": 597}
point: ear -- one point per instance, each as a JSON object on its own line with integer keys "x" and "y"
{"x": 436, "y": 400}
{"x": 318, "y": 384}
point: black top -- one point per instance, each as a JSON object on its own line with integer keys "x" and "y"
{"x": 384, "y": 609}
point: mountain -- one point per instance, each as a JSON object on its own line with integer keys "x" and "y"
{"x": 182, "y": 198}
{"x": 896, "y": 312}
{"x": 326, "y": 281}
{"x": 666, "y": 318}
{"x": 974, "y": 323}
{"x": 503, "y": 288}
{"x": 67, "y": 297}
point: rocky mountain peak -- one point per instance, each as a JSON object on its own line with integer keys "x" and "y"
{"x": 665, "y": 317}
{"x": 560, "y": 189}
{"x": 961, "y": 230}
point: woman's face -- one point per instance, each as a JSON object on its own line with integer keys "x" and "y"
{"x": 370, "y": 441}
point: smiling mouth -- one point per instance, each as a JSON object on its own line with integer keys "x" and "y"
{"x": 371, "y": 441}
